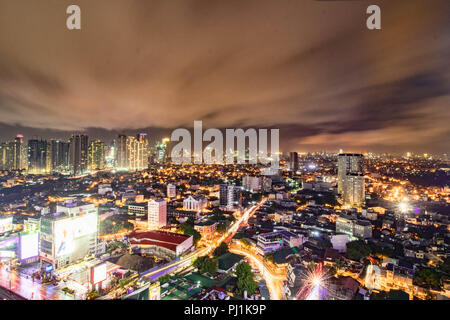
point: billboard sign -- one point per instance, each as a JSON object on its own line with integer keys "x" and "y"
{"x": 67, "y": 230}
{"x": 64, "y": 243}
{"x": 6, "y": 224}
{"x": 7, "y": 254}
{"x": 98, "y": 273}
{"x": 84, "y": 225}
{"x": 155, "y": 291}
{"x": 29, "y": 245}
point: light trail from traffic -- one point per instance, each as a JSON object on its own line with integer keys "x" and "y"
{"x": 274, "y": 282}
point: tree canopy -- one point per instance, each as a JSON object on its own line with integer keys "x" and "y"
{"x": 427, "y": 278}
{"x": 188, "y": 229}
{"x": 206, "y": 264}
{"x": 220, "y": 250}
{"x": 246, "y": 279}
{"x": 115, "y": 224}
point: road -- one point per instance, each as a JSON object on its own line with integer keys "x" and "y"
{"x": 9, "y": 295}
{"x": 273, "y": 280}
{"x": 29, "y": 289}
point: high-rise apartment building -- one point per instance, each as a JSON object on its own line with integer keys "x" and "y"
{"x": 161, "y": 150}
{"x": 351, "y": 179}
{"x": 142, "y": 150}
{"x": 37, "y": 156}
{"x": 14, "y": 154}
{"x": 96, "y": 155}
{"x": 353, "y": 190}
{"x": 3, "y": 155}
{"x": 59, "y": 155}
{"x": 19, "y": 150}
{"x": 78, "y": 154}
{"x": 132, "y": 152}
{"x": 111, "y": 155}
{"x": 229, "y": 196}
{"x": 293, "y": 161}
{"x": 121, "y": 154}
{"x": 157, "y": 213}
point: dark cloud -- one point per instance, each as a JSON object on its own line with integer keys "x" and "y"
{"x": 310, "y": 68}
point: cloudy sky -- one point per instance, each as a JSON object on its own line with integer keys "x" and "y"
{"x": 310, "y": 68}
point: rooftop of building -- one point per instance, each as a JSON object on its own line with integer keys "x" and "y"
{"x": 363, "y": 223}
{"x": 138, "y": 204}
{"x": 228, "y": 260}
{"x": 197, "y": 197}
{"x": 157, "y": 200}
{"x": 206, "y": 223}
{"x": 73, "y": 204}
{"x": 150, "y": 237}
{"x": 282, "y": 255}
{"x": 55, "y": 216}
{"x": 284, "y": 233}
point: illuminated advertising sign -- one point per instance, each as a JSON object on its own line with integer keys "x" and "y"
{"x": 84, "y": 225}
{"x": 98, "y": 273}
{"x": 155, "y": 291}
{"x": 7, "y": 254}
{"x": 63, "y": 237}
{"x": 67, "y": 230}
{"x": 29, "y": 227}
{"x": 6, "y": 224}
{"x": 29, "y": 245}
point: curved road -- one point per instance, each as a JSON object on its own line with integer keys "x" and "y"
{"x": 274, "y": 281}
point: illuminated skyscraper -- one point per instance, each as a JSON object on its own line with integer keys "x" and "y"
{"x": 14, "y": 154}
{"x": 353, "y": 190}
{"x": 293, "y": 161}
{"x": 19, "y": 151}
{"x": 142, "y": 152}
{"x": 96, "y": 155}
{"x": 37, "y": 156}
{"x": 132, "y": 152}
{"x": 121, "y": 154}
{"x": 3, "y": 155}
{"x": 60, "y": 155}
{"x": 351, "y": 179}
{"x": 111, "y": 155}
{"x": 229, "y": 196}
{"x": 78, "y": 151}
{"x": 161, "y": 150}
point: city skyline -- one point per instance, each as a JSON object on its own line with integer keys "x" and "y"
{"x": 327, "y": 83}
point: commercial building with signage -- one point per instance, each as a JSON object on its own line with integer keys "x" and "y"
{"x": 68, "y": 235}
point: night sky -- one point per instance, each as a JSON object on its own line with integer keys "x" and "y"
{"x": 310, "y": 68}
